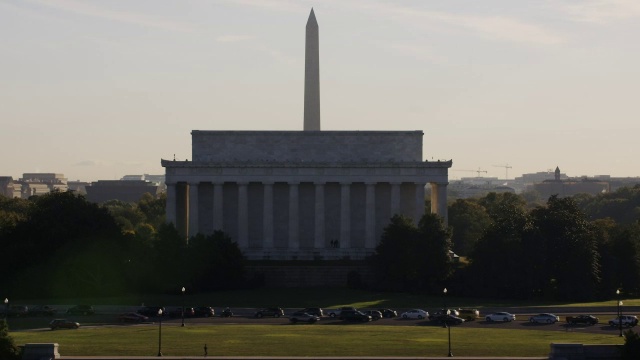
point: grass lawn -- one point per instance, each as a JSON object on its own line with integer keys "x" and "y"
{"x": 306, "y": 340}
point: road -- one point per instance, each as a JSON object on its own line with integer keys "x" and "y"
{"x": 245, "y": 316}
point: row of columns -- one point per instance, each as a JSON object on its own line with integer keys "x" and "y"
{"x": 438, "y": 205}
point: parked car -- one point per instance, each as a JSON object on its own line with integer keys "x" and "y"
{"x": 544, "y": 318}
{"x": 442, "y": 312}
{"x": 415, "y": 314}
{"x": 151, "y": 311}
{"x": 500, "y": 316}
{"x": 469, "y": 314}
{"x": 203, "y": 311}
{"x": 132, "y": 317}
{"x": 449, "y": 319}
{"x": 81, "y": 310}
{"x": 375, "y": 314}
{"x": 18, "y": 311}
{"x": 226, "y": 312}
{"x": 388, "y": 313}
{"x": 582, "y": 319}
{"x": 271, "y": 311}
{"x": 336, "y": 312}
{"x": 63, "y": 324}
{"x": 301, "y": 316}
{"x": 177, "y": 312}
{"x": 42, "y": 310}
{"x": 627, "y": 320}
{"x": 314, "y": 311}
{"x": 354, "y": 315}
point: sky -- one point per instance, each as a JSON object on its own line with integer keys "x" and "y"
{"x": 96, "y": 90}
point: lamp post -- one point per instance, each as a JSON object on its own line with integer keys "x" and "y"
{"x": 619, "y": 312}
{"x": 183, "y": 289}
{"x": 446, "y": 321}
{"x": 449, "y": 329}
{"x": 6, "y": 308}
{"x": 160, "y": 332}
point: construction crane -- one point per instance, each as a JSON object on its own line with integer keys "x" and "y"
{"x": 506, "y": 170}
{"x": 475, "y": 171}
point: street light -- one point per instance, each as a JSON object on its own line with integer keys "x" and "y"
{"x": 446, "y": 321}
{"x": 160, "y": 333}
{"x": 619, "y": 312}
{"x": 183, "y": 289}
{"x": 6, "y": 308}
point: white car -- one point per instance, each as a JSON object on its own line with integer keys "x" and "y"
{"x": 500, "y": 316}
{"x": 415, "y": 314}
{"x": 544, "y": 318}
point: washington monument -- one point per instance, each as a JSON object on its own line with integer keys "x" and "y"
{"x": 312, "y": 76}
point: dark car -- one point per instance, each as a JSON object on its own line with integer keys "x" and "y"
{"x": 301, "y": 316}
{"x": 203, "y": 311}
{"x": 469, "y": 314}
{"x": 177, "y": 312}
{"x": 63, "y": 324}
{"x": 314, "y": 311}
{"x": 582, "y": 319}
{"x": 151, "y": 311}
{"x": 272, "y": 311}
{"x": 132, "y": 317}
{"x": 17, "y": 311}
{"x": 354, "y": 315}
{"x": 388, "y": 313}
{"x": 81, "y": 310}
{"x": 375, "y": 314}
{"x": 42, "y": 310}
{"x": 447, "y": 319}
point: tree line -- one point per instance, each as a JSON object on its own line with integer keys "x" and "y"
{"x": 59, "y": 245}
{"x": 580, "y": 248}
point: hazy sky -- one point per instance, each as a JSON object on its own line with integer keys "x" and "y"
{"x": 100, "y": 89}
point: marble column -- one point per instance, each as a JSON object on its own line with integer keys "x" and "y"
{"x": 194, "y": 221}
{"x": 218, "y": 206}
{"x": 419, "y": 210}
{"x": 319, "y": 238}
{"x": 294, "y": 235}
{"x": 395, "y": 198}
{"x": 370, "y": 216}
{"x": 267, "y": 216}
{"x": 243, "y": 216}
{"x": 441, "y": 204}
{"x": 171, "y": 203}
{"x": 345, "y": 215}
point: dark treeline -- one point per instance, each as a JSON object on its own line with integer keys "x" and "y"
{"x": 575, "y": 249}
{"x": 581, "y": 248}
{"x": 60, "y": 245}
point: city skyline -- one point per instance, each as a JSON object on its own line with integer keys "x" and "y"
{"x": 98, "y": 90}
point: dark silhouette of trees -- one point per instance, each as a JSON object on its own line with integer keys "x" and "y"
{"x": 410, "y": 258}
{"x": 468, "y": 221}
{"x": 8, "y": 348}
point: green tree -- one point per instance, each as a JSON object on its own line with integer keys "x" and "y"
{"x": 572, "y": 263}
{"x": 215, "y": 263}
{"x": 500, "y": 265}
{"x": 410, "y": 258}
{"x": 468, "y": 221}
{"x": 8, "y": 348}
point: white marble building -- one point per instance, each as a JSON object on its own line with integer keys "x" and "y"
{"x": 302, "y": 194}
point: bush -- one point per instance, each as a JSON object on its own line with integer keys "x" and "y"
{"x": 631, "y": 348}
{"x": 8, "y": 349}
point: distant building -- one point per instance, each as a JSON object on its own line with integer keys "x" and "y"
{"x": 477, "y": 187}
{"x": 123, "y": 190}
{"x": 155, "y": 179}
{"x": 78, "y": 187}
{"x": 41, "y": 183}
{"x": 569, "y": 187}
{"x": 9, "y": 188}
